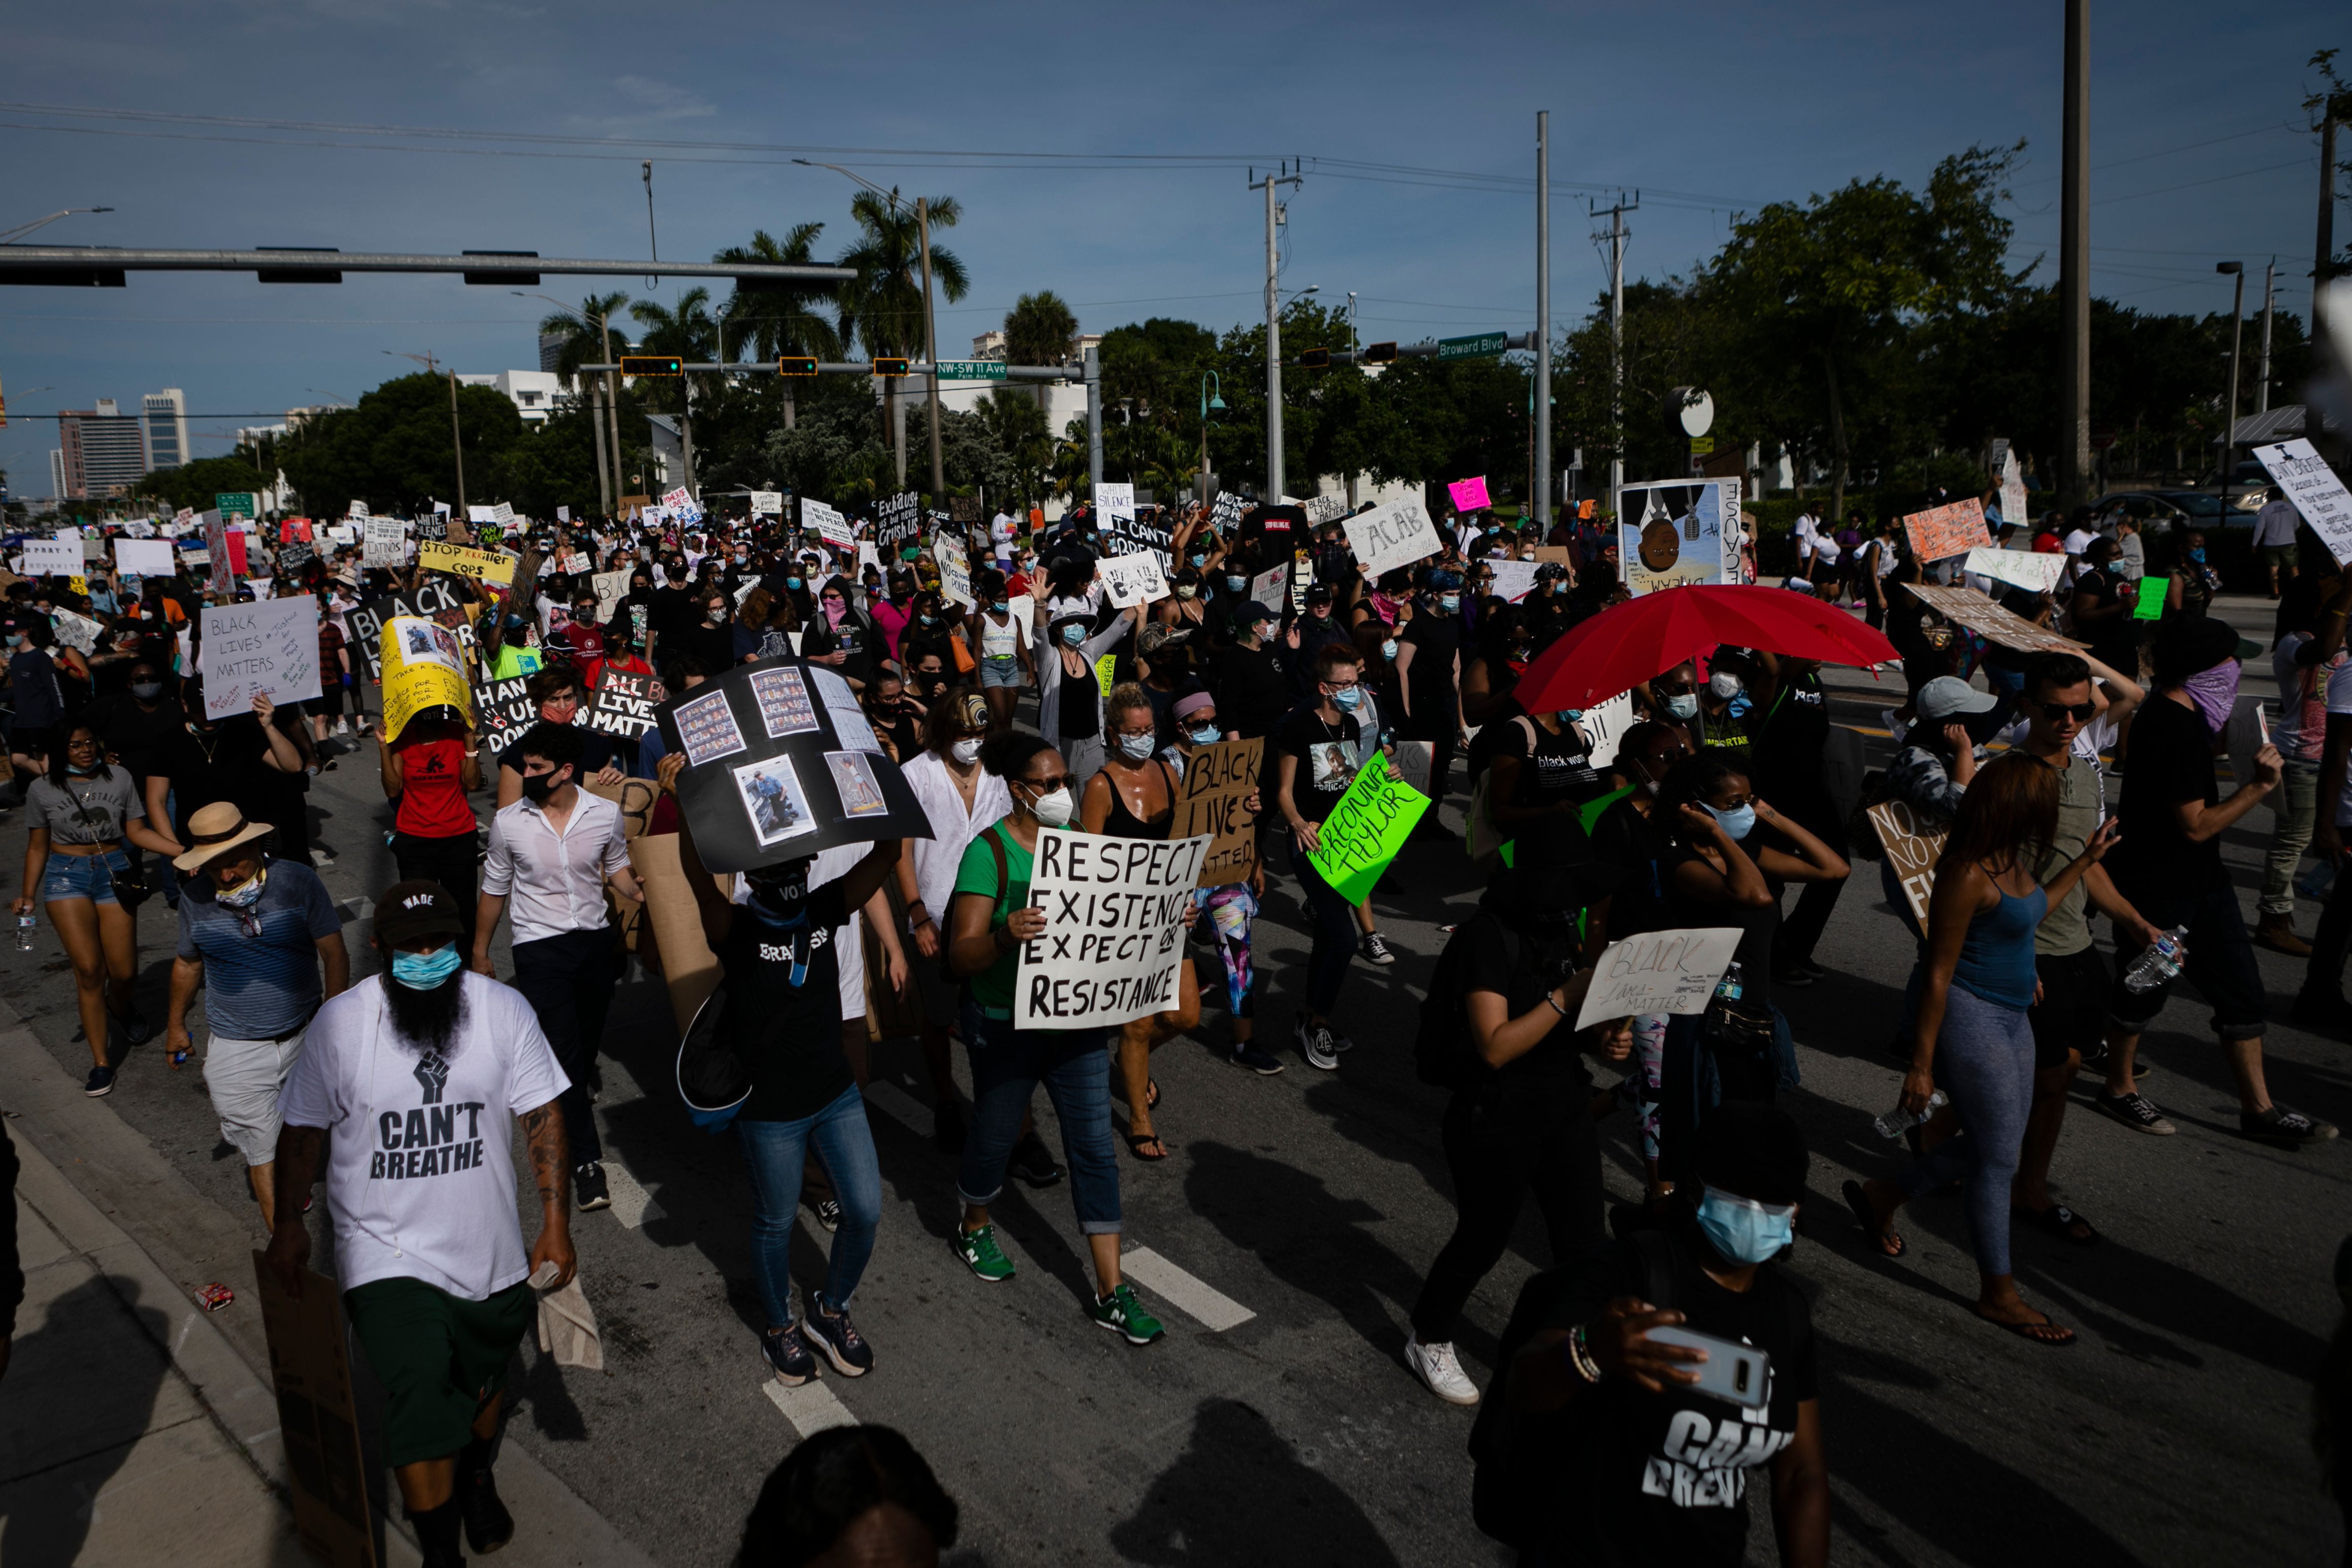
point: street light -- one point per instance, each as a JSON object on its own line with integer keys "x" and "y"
{"x": 1211, "y": 403}
{"x": 2237, "y": 271}
{"x": 456, "y": 442}
{"x": 22, "y": 230}
{"x": 931, "y": 332}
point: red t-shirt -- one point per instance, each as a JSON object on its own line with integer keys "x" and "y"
{"x": 433, "y": 789}
{"x": 587, "y": 642}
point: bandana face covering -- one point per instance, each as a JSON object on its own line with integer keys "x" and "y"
{"x": 2215, "y": 692}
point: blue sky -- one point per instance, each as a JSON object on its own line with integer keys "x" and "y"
{"x": 1709, "y": 106}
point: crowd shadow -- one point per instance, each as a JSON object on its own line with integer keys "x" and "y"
{"x": 1240, "y": 1493}
{"x": 45, "y": 1515}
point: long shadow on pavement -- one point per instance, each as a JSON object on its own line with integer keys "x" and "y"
{"x": 1240, "y": 1493}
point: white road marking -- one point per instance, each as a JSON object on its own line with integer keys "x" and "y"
{"x": 900, "y": 1106}
{"x": 811, "y": 1408}
{"x": 1216, "y": 1310}
{"x": 631, "y": 1205}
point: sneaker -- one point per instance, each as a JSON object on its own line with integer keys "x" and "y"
{"x": 344, "y": 728}
{"x": 101, "y": 1081}
{"x": 1248, "y": 1055}
{"x": 1121, "y": 1314}
{"x": 981, "y": 1254}
{"x": 788, "y": 1356}
{"x": 838, "y": 1338}
{"x": 136, "y": 1029}
{"x": 1339, "y": 1042}
{"x": 2094, "y": 1063}
{"x": 828, "y": 1213}
{"x": 2287, "y": 1128}
{"x": 1437, "y": 1366}
{"x": 1314, "y": 1044}
{"x": 2135, "y": 1110}
{"x": 588, "y": 1186}
{"x": 1032, "y": 1162}
{"x": 1376, "y": 948}
{"x": 488, "y": 1525}
{"x": 947, "y": 1127}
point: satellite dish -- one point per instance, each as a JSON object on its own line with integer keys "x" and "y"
{"x": 1690, "y": 410}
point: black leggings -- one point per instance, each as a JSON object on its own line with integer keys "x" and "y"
{"x": 1502, "y": 1141}
{"x": 453, "y": 862}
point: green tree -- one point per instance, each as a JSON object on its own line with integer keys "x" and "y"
{"x": 772, "y": 318}
{"x": 584, "y": 334}
{"x": 193, "y": 485}
{"x": 686, "y": 332}
{"x": 393, "y": 448}
{"x": 882, "y": 307}
{"x": 1040, "y": 330}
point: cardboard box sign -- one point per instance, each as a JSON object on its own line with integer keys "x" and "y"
{"x": 781, "y": 763}
{"x": 622, "y": 705}
{"x": 310, "y": 1373}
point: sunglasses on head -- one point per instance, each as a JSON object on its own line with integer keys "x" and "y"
{"x": 2079, "y": 712}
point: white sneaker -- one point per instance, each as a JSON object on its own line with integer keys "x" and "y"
{"x": 342, "y": 727}
{"x": 1435, "y": 1366}
{"x": 1314, "y": 1044}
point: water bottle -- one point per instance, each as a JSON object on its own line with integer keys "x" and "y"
{"x": 25, "y": 924}
{"x": 1898, "y": 1122}
{"x": 1729, "y": 988}
{"x": 2158, "y": 962}
{"x": 2314, "y": 883}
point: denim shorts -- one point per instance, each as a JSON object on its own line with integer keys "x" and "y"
{"x": 999, "y": 670}
{"x": 88, "y": 877}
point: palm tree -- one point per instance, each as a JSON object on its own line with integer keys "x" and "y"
{"x": 882, "y": 307}
{"x": 583, "y": 332}
{"x": 777, "y": 314}
{"x": 689, "y": 332}
{"x": 1039, "y": 330}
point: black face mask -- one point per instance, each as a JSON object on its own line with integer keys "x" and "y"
{"x": 537, "y": 787}
{"x": 779, "y": 893}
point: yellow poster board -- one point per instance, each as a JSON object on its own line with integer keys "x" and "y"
{"x": 423, "y": 666}
{"x": 480, "y": 565}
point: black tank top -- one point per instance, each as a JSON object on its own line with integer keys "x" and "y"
{"x": 1124, "y": 824}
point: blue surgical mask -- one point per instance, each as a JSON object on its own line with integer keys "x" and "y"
{"x": 792, "y": 582}
{"x": 1684, "y": 706}
{"x": 1389, "y": 649}
{"x": 1002, "y": 605}
{"x": 2197, "y": 556}
{"x": 424, "y": 971}
{"x": 1739, "y": 822}
{"x": 1569, "y": 715}
{"x": 1449, "y": 602}
{"x": 1347, "y": 698}
{"x": 1745, "y": 1231}
{"x": 1197, "y": 559}
{"x": 1206, "y": 735}
{"x": 1073, "y": 634}
{"x": 1136, "y": 748}
{"x": 1235, "y": 584}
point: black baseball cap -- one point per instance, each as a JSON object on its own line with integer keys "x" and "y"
{"x": 418, "y": 908}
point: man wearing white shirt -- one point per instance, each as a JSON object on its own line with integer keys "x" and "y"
{"x": 416, "y": 1072}
{"x": 2274, "y": 528}
{"x": 1806, "y": 533}
{"x": 550, "y": 851}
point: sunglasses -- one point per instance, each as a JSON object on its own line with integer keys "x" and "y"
{"x": 2079, "y": 712}
{"x": 1047, "y": 786}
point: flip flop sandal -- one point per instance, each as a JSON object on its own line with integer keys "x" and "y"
{"x": 1151, "y": 1093}
{"x": 2027, "y": 1330}
{"x": 1136, "y": 1140}
{"x": 2059, "y": 1221}
{"x": 1883, "y": 1240}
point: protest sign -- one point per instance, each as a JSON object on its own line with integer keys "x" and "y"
{"x": 267, "y": 648}
{"x": 623, "y": 704}
{"x": 1302, "y": 577}
{"x": 1131, "y": 580}
{"x": 343, "y": 533}
{"x": 1967, "y": 607}
{"x": 1225, "y": 512}
{"x": 1674, "y": 532}
{"x": 292, "y": 558}
{"x": 2022, "y": 568}
{"x": 503, "y": 710}
{"x": 1658, "y": 972}
{"x": 1605, "y": 725}
{"x": 434, "y": 527}
{"x": 678, "y": 497}
{"x": 955, "y": 570}
{"x": 1469, "y": 495}
{"x": 2009, "y": 481}
{"x": 2147, "y": 597}
{"x": 767, "y": 503}
{"x": 432, "y": 601}
{"x": 196, "y": 557}
{"x": 1912, "y": 850}
{"x": 78, "y": 632}
{"x": 1323, "y": 509}
{"x": 319, "y": 1425}
{"x": 1366, "y": 829}
{"x": 1266, "y": 587}
{"x": 897, "y": 520}
{"x": 357, "y": 510}
{"x": 611, "y": 587}
{"x": 1947, "y": 531}
{"x": 52, "y": 557}
{"x": 2304, "y": 476}
{"x": 781, "y": 763}
{"x": 1514, "y": 580}
{"x": 1114, "y": 502}
{"x": 1021, "y": 610}
{"x": 827, "y": 524}
{"x": 423, "y": 666}
{"x": 294, "y": 527}
{"x": 1211, "y": 802}
{"x": 143, "y": 557}
{"x": 1143, "y": 534}
{"x": 1114, "y": 936}
{"x": 478, "y": 514}
{"x": 479, "y": 565}
{"x": 1392, "y": 535}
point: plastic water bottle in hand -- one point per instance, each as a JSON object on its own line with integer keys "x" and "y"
{"x": 25, "y": 924}
{"x": 1730, "y": 988}
{"x": 1898, "y": 1122}
{"x": 2158, "y": 962}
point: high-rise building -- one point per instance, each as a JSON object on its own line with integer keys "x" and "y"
{"x": 58, "y": 473}
{"x": 105, "y": 450}
{"x": 167, "y": 429}
{"x": 551, "y": 349}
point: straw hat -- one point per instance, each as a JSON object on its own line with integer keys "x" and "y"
{"x": 216, "y": 829}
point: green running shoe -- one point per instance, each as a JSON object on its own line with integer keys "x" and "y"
{"x": 981, "y": 1254}
{"x": 1121, "y": 1314}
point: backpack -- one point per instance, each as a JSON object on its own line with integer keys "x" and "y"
{"x": 1443, "y": 1054}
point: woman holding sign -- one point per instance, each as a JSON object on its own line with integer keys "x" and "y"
{"x": 1320, "y": 748}
{"x": 988, "y": 921}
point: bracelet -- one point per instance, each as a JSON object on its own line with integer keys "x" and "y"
{"x": 1551, "y": 996}
{"x": 1578, "y": 1353}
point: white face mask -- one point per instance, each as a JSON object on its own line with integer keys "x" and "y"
{"x": 1725, "y": 684}
{"x": 966, "y": 751}
{"x": 1054, "y": 810}
{"x": 1135, "y": 748}
{"x": 1684, "y": 706}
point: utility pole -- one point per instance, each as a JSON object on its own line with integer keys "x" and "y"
{"x": 2074, "y": 265}
{"x": 2270, "y": 280}
{"x": 2237, "y": 271}
{"x": 2322, "y": 252}
{"x": 932, "y": 350}
{"x": 457, "y": 441}
{"x": 1274, "y": 482}
{"x": 1617, "y": 237}
{"x": 1542, "y": 487}
{"x": 604, "y": 491}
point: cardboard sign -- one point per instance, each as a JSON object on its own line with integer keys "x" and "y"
{"x": 1414, "y": 760}
{"x": 827, "y": 524}
{"x": 1396, "y": 534}
{"x": 432, "y": 601}
{"x": 1114, "y": 503}
{"x": 52, "y": 557}
{"x": 1225, "y": 512}
{"x": 503, "y": 710}
{"x": 1114, "y": 936}
{"x": 1912, "y": 849}
{"x": 143, "y": 557}
{"x": 357, "y": 510}
{"x": 1676, "y": 533}
{"x": 2011, "y": 480}
{"x": 781, "y": 763}
{"x": 1366, "y": 829}
{"x": 1967, "y": 607}
{"x": 767, "y": 503}
{"x": 1469, "y": 495}
{"x": 1211, "y": 803}
{"x": 623, "y": 704}
{"x": 479, "y": 565}
{"x": 1658, "y": 972}
{"x": 2304, "y": 477}
{"x": 268, "y": 648}
{"x": 1131, "y": 580}
{"x": 78, "y": 632}
{"x": 1266, "y": 587}
{"x": 611, "y": 587}
{"x": 2020, "y": 568}
{"x": 423, "y": 666}
{"x": 898, "y": 522}
{"x": 955, "y": 570}
{"x": 1323, "y": 509}
{"x": 386, "y": 544}
{"x": 1514, "y": 580}
{"x": 310, "y": 1365}
{"x": 1943, "y": 532}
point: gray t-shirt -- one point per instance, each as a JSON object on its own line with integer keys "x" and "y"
{"x": 2066, "y": 928}
{"x": 92, "y": 810}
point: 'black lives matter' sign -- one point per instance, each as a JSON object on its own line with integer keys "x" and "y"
{"x": 622, "y": 705}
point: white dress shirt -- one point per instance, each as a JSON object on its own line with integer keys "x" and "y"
{"x": 556, "y": 882}
{"x": 953, "y": 829}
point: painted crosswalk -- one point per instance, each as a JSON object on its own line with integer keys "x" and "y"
{"x": 811, "y": 1408}
{"x": 1215, "y": 1310}
{"x": 632, "y": 1205}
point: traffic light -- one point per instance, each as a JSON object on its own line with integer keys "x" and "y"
{"x": 650, "y": 364}
{"x": 890, "y": 366}
{"x": 1315, "y": 359}
{"x": 1378, "y": 354}
{"x": 796, "y": 364}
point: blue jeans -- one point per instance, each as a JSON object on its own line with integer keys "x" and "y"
{"x": 776, "y": 1152}
{"x": 88, "y": 877}
{"x": 1007, "y": 1065}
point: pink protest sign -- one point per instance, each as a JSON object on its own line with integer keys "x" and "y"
{"x": 1947, "y": 531}
{"x": 1469, "y": 495}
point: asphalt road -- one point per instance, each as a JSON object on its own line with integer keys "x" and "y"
{"x": 2175, "y": 1431}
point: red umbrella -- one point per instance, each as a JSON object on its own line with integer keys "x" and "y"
{"x": 1629, "y": 643}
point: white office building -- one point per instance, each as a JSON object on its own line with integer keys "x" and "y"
{"x": 534, "y": 391}
{"x": 166, "y": 414}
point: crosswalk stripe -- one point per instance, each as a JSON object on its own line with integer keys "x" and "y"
{"x": 1216, "y": 1310}
{"x": 900, "y": 1106}
{"x": 632, "y": 1205}
{"x": 811, "y": 1408}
